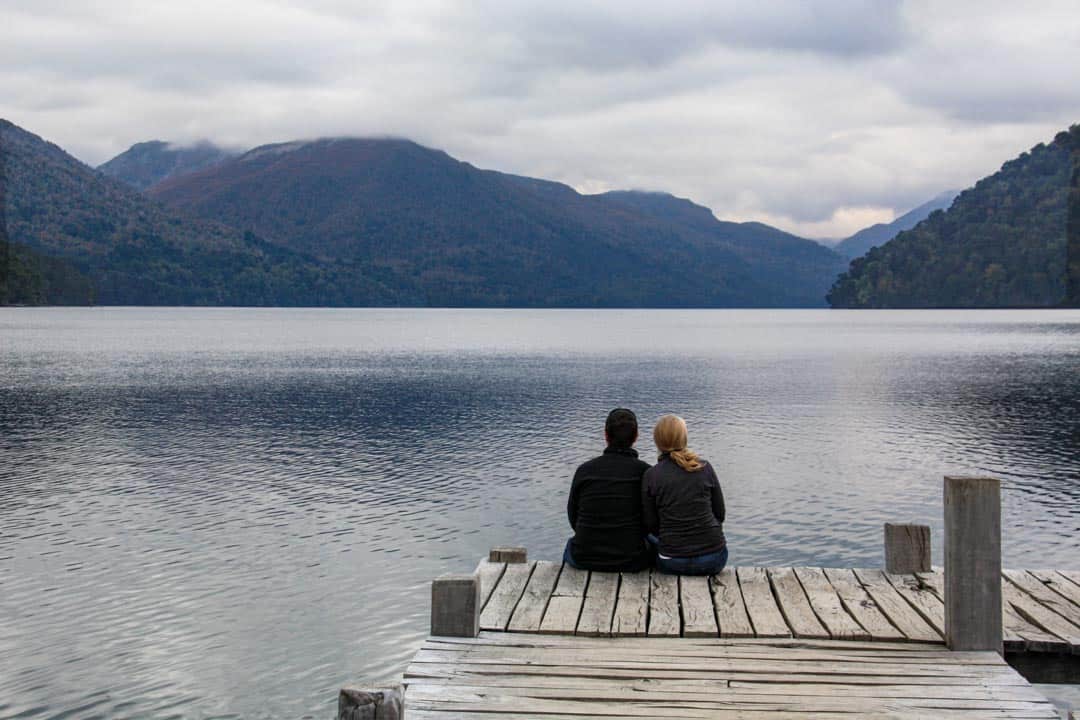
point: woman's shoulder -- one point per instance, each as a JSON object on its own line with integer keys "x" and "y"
{"x": 661, "y": 468}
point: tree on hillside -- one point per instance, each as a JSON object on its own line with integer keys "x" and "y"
{"x": 1072, "y": 229}
{"x": 5, "y": 256}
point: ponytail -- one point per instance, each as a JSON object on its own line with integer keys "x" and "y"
{"x": 670, "y": 437}
{"x": 687, "y": 460}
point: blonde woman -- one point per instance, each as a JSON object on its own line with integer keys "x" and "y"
{"x": 683, "y": 506}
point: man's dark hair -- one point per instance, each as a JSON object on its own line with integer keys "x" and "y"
{"x": 621, "y": 427}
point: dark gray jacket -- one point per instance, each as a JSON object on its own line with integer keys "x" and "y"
{"x": 684, "y": 509}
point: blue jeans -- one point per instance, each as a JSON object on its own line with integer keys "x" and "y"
{"x": 707, "y": 564}
{"x": 633, "y": 566}
{"x": 568, "y": 557}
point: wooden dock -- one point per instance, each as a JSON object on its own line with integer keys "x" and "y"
{"x": 751, "y": 642}
{"x": 543, "y": 640}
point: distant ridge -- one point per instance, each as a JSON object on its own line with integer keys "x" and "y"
{"x": 881, "y": 233}
{"x": 148, "y": 163}
{"x": 436, "y": 228}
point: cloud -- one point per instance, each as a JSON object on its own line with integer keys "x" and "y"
{"x": 810, "y": 116}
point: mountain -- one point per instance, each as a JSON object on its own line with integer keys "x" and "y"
{"x": 881, "y": 233}
{"x": 451, "y": 234}
{"x": 135, "y": 251}
{"x": 1001, "y": 243}
{"x": 148, "y": 163}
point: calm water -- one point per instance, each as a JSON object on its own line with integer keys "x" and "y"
{"x": 231, "y": 513}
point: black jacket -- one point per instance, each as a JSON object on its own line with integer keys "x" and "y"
{"x": 605, "y": 512}
{"x": 684, "y": 509}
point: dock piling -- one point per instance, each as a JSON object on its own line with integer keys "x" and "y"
{"x": 361, "y": 704}
{"x": 973, "y": 618}
{"x": 455, "y": 605}
{"x": 907, "y": 548}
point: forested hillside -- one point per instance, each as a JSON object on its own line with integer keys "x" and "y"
{"x": 1002, "y": 243}
{"x": 134, "y": 251}
{"x": 28, "y": 278}
{"x": 446, "y": 233}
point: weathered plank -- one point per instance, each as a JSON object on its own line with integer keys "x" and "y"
{"x": 861, "y": 606}
{"x": 828, "y": 606}
{"x": 489, "y": 574}
{"x": 730, "y": 608}
{"x": 921, "y": 598}
{"x": 620, "y": 696}
{"x": 1058, "y": 583}
{"x": 1062, "y": 586}
{"x": 1038, "y": 614}
{"x": 530, "y": 609}
{"x": 899, "y": 612}
{"x": 1045, "y": 595}
{"x": 794, "y": 605}
{"x": 664, "y": 606}
{"x": 632, "y": 608}
{"x": 562, "y": 614}
{"x": 504, "y": 598}
{"x": 693, "y": 646}
{"x": 599, "y": 607}
{"x": 741, "y": 688}
{"x": 564, "y": 607}
{"x": 698, "y": 616}
{"x": 760, "y": 604}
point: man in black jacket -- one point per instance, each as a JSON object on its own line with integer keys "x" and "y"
{"x": 605, "y": 504}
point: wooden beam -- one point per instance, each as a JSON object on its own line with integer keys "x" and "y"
{"x": 973, "y": 619}
{"x": 907, "y": 548}
{"x": 455, "y": 605}
{"x": 508, "y": 554}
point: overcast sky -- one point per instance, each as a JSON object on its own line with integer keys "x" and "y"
{"x": 818, "y": 117}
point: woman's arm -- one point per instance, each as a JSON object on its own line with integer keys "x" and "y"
{"x": 649, "y": 515}
{"x": 718, "y": 508}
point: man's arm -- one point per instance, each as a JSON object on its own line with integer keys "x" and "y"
{"x": 718, "y": 508}
{"x": 572, "y": 501}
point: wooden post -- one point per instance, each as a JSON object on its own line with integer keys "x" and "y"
{"x": 455, "y": 605}
{"x": 973, "y": 563}
{"x": 907, "y": 548}
{"x": 508, "y": 554}
{"x": 359, "y": 704}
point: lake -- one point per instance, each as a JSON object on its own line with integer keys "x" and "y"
{"x": 233, "y": 512}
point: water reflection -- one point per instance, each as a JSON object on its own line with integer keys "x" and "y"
{"x": 231, "y": 513}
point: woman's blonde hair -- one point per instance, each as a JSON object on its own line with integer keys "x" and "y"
{"x": 670, "y": 437}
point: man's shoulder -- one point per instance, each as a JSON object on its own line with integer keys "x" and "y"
{"x": 608, "y": 460}
{"x": 604, "y": 463}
